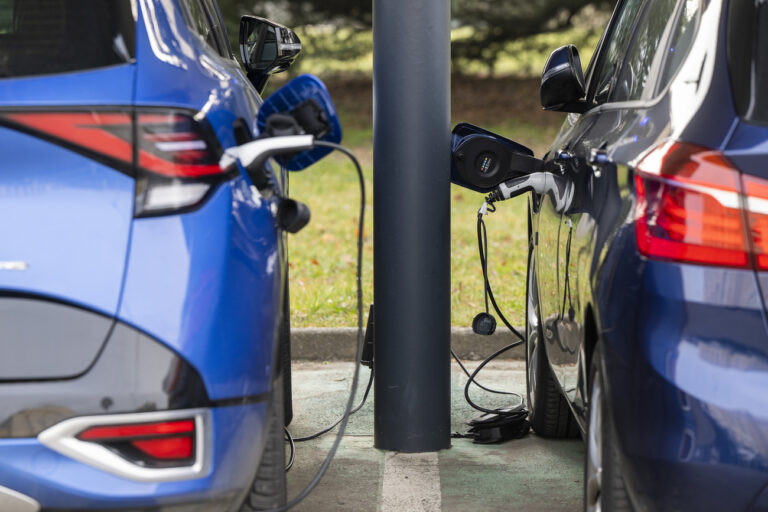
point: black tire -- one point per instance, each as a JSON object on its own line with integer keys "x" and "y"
{"x": 285, "y": 355}
{"x": 268, "y": 489}
{"x": 609, "y": 492}
{"x": 549, "y": 412}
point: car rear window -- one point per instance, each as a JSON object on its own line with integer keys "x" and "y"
{"x": 40, "y": 37}
{"x": 748, "y": 57}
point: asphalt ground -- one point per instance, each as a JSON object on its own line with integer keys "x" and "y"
{"x": 529, "y": 474}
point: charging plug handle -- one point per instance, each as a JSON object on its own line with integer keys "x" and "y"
{"x": 558, "y": 187}
{"x": 255, "y": 154}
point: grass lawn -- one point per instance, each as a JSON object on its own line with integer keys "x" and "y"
{"x": 323, "y": 254}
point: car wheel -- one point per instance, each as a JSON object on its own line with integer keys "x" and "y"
{"x": 285, "y": 355}
{"x": 268, "y": 489}
{"x": 604, "y": 487}
{"x": 549, "y": 412}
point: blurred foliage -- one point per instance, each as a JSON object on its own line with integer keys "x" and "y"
{"x": 339, "y": 31}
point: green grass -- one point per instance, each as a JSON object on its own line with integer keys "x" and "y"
{"x": 348, "y": 52}
{"x": 323, "y": 254}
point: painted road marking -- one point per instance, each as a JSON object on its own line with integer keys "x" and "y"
{"x": 411, "y": 483}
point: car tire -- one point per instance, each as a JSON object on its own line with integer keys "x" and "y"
{"x": 285, "y": 355}
{"x": 268, "y": 489}
{"x": 549, "y": 412}
{"x": 604, "y": 487}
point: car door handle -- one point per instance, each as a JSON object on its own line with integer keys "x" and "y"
{"x": 598, "y": 157}
{"x": 563, "y": 155}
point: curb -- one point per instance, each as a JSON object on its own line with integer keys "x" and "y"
{"x": 338, "y": 344}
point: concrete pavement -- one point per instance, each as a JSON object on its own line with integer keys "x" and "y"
{"x": 529, "y": 474}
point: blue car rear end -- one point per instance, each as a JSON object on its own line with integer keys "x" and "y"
{"x": 686, "y": 348}
{"x": 140, "y": 285}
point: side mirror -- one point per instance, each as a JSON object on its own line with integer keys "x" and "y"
{"x": 306, "y": 102}
{"x": 481, "y": 160}
{"x": 562, "y": 83}
{"x": 266, "y": 48}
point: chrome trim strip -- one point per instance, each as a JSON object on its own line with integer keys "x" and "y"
{"x": 61, "y": 438}
{"x": 14, "y": 501}
{"x": 13, "y": 265}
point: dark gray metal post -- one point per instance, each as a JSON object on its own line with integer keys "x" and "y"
{"x": 411, "y": 190}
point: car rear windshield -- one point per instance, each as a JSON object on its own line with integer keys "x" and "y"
{"x": 748, "y": 57}
{"x": 39, "y": 37}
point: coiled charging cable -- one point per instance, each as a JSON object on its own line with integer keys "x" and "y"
{"x": 482, "y": 245}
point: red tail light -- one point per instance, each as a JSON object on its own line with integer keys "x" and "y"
{"x": 105, "y": 136}
{"x": 150, "y": 443}
{"x": 756, "y": 191}
{"x": 176, "y": 145}
{"x": 691, "y": 208}
{"x": 173, "y": 154}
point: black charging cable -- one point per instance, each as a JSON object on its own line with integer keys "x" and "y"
{"x": 331, "y": 427}
{"x": 292, "y": 458}
{"x": 482, "y": 244}
{"x": 475, "y": 382}
{"x": 359, "y": 349}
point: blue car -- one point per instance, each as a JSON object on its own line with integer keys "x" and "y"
{"x": 647, "y": 279}
{"x": 144, "y": 321}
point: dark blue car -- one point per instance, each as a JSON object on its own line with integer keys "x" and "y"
{"x": 143, "y": 293}
{"x": 648, "y": 259}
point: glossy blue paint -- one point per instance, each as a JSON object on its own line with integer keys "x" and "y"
{"x": 685, "y": 347}
{"x": 216, "y": 277}
{"x": 169, "y": 54}
{"x": 106, "y": 86}
{"x": 68, "y": 217}
{"x": 694, "y": 354}
{"x": 57, "y": 481}
{"x": 206, "y": 283}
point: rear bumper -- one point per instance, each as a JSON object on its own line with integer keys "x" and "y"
{"x": 58, "y": 482}
{"x": 687, "y": 367}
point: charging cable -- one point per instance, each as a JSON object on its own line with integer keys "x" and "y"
{"x": 358, "y": 351}
{"x": 500, "y": 424}
{"x": 331, "y": 427}
{"x": 482, "y": 245}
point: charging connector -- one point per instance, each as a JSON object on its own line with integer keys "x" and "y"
{"x": 559, "y": 188}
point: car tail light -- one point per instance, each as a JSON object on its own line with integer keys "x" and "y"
{"x": 692, "y": 207}
{"x": 103, "y": 136}
{"x": 173, "y": 154}
{"x": 151, "y": 444}
{"x": 150, "y": 447}
{"x": 177, "y": 162}
{"x": 756, "y": 201}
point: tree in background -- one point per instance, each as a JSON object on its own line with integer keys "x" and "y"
{"x": 486, "y": 27}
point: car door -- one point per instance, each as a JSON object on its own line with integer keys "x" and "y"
{"x": 561, "y": 310}
{"x": 620, "y": 132}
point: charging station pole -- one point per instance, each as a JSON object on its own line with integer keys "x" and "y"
{"x": 411, "y": 236}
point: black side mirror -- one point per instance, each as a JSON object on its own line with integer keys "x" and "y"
{"x": 266, "y": 48}
{"x": 562, "y": 83}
